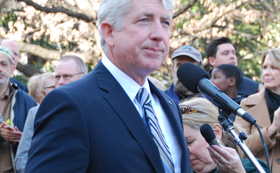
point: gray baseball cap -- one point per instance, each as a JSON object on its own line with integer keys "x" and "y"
{"x": 188, "y": 51}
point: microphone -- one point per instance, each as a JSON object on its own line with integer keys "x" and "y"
{"x": 194, "y": 78}
{"x": 209, "y": 135}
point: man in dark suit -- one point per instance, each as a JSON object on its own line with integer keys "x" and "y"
{"x": 97, "y": 123}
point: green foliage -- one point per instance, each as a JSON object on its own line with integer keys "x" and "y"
{"x": 6, "y": 18}
{"x": 22, "y": 78}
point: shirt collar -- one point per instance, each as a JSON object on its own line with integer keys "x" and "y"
{"x": 127, "y": 83}
{"x": 6, "y": 94}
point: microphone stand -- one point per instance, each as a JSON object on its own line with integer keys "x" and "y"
{"x": 228, "y": 127}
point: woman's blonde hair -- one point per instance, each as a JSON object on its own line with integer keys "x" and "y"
{"x": 36, "y": 85}
{"x": 207, "y": 113}
{"x": 274, "y": 55}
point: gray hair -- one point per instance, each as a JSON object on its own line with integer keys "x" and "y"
{"x": 113, "y": 11}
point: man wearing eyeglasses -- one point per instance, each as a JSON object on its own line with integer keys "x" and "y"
{"x": 69, "y": 68}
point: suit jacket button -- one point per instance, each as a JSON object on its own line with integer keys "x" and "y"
{"x": 278, "y": 160}
{"x": 170, "y": 103}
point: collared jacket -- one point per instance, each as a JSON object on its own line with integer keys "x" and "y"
{"x": 256, "y": 106}
{"x": 21, "y": 103}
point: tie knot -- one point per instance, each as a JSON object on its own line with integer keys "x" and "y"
{"x": 143, "y": 96}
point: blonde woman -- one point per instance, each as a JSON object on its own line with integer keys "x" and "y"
{"x": 264, "y": 107}
{"x": 205, "y": 159}
{"x": 41, "y": 84}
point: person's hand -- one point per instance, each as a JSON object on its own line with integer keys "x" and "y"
{"x": 227, "y": 159}
{"x": 276, "y": 123}
{"x": 10, "y": 134}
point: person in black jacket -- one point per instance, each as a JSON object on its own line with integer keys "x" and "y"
{"x": 221, "y": 51}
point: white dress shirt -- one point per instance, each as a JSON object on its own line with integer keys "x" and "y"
{"x": 131, "y": 88}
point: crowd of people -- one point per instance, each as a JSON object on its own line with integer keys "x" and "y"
{"x": 117, "y": 118}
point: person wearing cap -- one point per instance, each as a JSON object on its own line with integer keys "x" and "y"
{"x": 14, "y": 106}
{"x": 177, "y": 90}
{"x": 15, "y": 55}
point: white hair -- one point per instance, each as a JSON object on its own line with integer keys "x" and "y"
{"x": 113, "y": 11}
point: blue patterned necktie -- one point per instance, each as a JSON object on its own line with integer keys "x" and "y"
{"x": 151, "y": 121}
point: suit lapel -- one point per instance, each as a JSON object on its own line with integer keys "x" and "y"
{"x": 171, "y": 110}
{"x": 125, "y": 109}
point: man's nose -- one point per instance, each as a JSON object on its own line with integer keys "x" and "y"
{"x": 61, "y": 81}
{"x": 157, "y": 31}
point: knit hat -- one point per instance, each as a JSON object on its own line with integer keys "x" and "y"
{"x": 6, "y": 51}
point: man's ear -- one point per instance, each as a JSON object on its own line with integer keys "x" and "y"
{"x": 232, "y": 81}
{"x": 218, "y": 131}
{"x": 13, "y": 68}
{"x": 211, "y": 61}
{"x": 173, "y": 68}
{"x": 107, "y": 32}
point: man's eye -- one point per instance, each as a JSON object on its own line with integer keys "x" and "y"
{"x": 67, "y": 76}
{"x": 166, "y": 22}
{"x": 144, "y": 20}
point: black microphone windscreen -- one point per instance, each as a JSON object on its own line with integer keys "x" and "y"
{"x": 189, "y": 75}
{"x": 207, "y": 132}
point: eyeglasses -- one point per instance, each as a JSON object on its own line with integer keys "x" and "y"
{"x": 65, "y": 76}
{"x": 185, "y": 109}
{"x": 50, "y": 87}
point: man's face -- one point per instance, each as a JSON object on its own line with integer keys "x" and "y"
{"x": 176, "y": 64}
{"x": 5, "y": 70}
{"x": 66, "y": 72}
{"x": 143, "y": 43}
{"x": 225, "y": 55}
{"x": 14, "y": 49}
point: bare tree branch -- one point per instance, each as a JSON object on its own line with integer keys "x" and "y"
{"x": 229, "y": 9}
{"x": 88, "y": 57}
{"x": 28, "y": 69}
{"x": 59, "y": 9}
{"x": 185, "y": 8}
{"x": 246, "y": 35}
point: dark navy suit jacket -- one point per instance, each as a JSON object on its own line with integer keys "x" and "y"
{"x": 91, "y": 125}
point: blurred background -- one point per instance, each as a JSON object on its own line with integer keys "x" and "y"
{"x": 47, "y": 29}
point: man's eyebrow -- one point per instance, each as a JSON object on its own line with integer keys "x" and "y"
{"x": 167, "y": 18}
{"x": 152, "y": 14}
